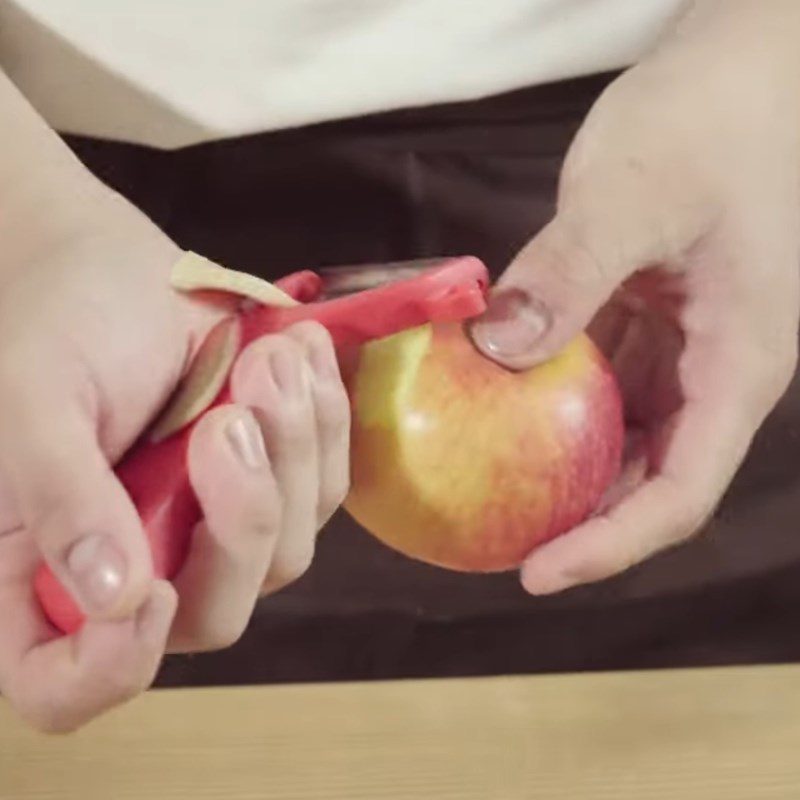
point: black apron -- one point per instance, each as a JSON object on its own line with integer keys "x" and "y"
{"x": 468, "y": 178}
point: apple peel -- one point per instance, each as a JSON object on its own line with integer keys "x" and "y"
{"x": 212, "y": 363}
{"x": 193, "y": 273}
{"x": 203, "y": 382}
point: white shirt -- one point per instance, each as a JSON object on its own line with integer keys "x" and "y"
{"x": 175, "y": 72}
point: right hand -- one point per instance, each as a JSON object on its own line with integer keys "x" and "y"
{"x": 675, "y": 241}
{"x": 92, "y": 343}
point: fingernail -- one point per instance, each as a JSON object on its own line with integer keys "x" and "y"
{"x": 98, "y": 570}
{"x": 287, "y": 372}
{"x": 247, "y": 441}
{"x": 512, "y": 325}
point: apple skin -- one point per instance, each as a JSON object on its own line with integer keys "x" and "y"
{"x": 465, "y": 465}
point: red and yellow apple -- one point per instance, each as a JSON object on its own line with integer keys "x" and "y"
{"x": 461, "y": 463}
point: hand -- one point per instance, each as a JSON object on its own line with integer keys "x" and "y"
{"x": 92, "y": 342}
{"x": 676, "y": 241}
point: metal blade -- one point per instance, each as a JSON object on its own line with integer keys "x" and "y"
{"x": 343, "y": 280}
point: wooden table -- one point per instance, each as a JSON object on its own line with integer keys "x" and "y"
{"x": 731, "y": 734}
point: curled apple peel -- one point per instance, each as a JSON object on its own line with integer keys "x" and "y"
{"x": 193, "y": 273}
{"x": 203, "y": 382}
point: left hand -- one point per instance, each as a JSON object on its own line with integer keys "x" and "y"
{"x": 676, "y": 236}
{"x": 92, "y": 342}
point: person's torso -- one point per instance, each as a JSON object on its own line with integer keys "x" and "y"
{"x": 170, "y": 73}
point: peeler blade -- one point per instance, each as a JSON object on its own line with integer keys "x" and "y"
{"x": 339, "y": 281}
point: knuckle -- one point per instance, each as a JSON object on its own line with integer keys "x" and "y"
{"x": 616, "y": 561}
{"x": 600, "y": 569}
{"x": 299, "y": 564}
{"x": 759, "y": 389}
{"x": 125, "y": 687}
{"x": 287, "y": 421}
{"x": 79, "y": 697}
{"x": 691, "y": 523}
{"x": 290, "y": 569}
{"x": 64, "y": 714}
{"x": 58, "y": 522}
{"x": 574, "y": 253}
{"x": 603, "y": 567}
{"x": 313, "y": 333}
{"x": 689, "y": 503}
{"x": 334, "y": 415}
{"x": 253, "y": 367}
{"x": 341, "y": 489}
{"x": 45, "y": 714}
{"x": 118, "y": 682}
{"x": 780, "y": 374}
{"x": 294, "y": 431}
{"x": 50, "y": 721}
{"x": 258, "y": 516}
{"x": 220, "y": 633}
{"x": 304, "y": 563}
{"x": 264, "y": 521}
{"x": 333, "y": 495}
{"x": 770, "y": 358}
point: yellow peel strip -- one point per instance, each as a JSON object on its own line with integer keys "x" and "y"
{"x": 210, "y": 367}
{"x": 192, "y": 273}
{"x": 203, "y": 381}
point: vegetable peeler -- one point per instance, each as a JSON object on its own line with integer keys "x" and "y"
{"x": 356, "y": 305}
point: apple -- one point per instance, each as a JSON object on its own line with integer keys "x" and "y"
{"x": 463, "y": 464}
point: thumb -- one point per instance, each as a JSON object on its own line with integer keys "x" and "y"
{"x": 70, "y": 501}
{"x": 547, "y": 296}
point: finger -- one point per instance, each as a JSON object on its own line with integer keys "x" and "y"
{"x": 71, "y": 502}
{"x": 332, "y": 414}
{"x": 614, "y": 217}
{"x": 549, "y": 294}
{"x": 272, "y": 377}
{"x": 231, "y": 549}
{"x": 707, "y": 440}
{"x": 59, "y": 685}
{"x": 731, "y": 372}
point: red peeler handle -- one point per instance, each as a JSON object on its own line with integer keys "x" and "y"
{"x": 156, "y": 474}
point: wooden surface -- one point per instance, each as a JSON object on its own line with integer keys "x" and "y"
{"x": 711, "y": 734}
